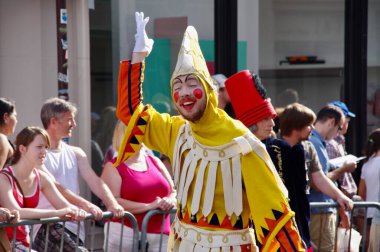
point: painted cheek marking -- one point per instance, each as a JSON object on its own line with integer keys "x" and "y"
{"x": 176, "y": 95}
{"x": 198, "y": 93}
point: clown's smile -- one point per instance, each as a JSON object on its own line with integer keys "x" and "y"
{"x": 188, "y": 104}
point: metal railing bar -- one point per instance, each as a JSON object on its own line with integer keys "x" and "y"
{"x": 144, "y": 226}
{"x": 362, "y": 204}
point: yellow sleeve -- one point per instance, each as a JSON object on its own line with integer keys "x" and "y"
{"x": 271, "y": 214}
{"x": 162, "y": 132}
{"x": 144, "y": 123}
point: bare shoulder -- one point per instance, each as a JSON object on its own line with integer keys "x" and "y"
{"x": 4, "y": 180}
{"x": 110, "y": 174}
{"x": 79, "y": 152}
{"x": 3, "y": 139}
{"x": 83, "y": 162}
{"x": 109, "y": 169}
{"x": 4, "y": 147}
{"x": 46, "y": 171}
{"x": 43, "y": 174}
{"x": 44, "y": 177}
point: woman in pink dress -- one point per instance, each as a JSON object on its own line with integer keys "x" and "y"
{"x": 140, "y": 184}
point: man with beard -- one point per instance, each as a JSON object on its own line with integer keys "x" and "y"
{"x": 220, "y": 196}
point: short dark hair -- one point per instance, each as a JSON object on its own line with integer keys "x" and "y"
{"x": 328, "y": 112}
{"x": 295, "y": 117}
{"x": 6, "y": 106}
{"x": 55, "y": 107}
{"x": 373, "y": 143}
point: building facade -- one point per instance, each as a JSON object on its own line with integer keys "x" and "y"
{"x": 101, "y": 32}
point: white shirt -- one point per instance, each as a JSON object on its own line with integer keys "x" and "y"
{"x": 62, "y": 164}
{"x": 370, "y": 174}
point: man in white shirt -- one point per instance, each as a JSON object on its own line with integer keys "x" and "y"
{"x": 65, "y": 162}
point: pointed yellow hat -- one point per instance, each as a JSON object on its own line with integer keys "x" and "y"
{"x": 190, "y": 58}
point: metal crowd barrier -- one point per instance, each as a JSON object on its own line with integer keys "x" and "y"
{"x": 133, "y": 221}
{"x": 141, "y": 245}
{"x": 357, "y": 205}
{"x": 144, "y": 227}
{"x": 89, "y": 217}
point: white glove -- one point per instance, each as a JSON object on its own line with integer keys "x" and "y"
{"x": 143, "y": 43}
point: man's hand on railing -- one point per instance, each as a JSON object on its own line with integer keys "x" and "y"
{"x": 94, "y": 210}
{"x": 9, "y": 216}
{"x": 344, "y": 202}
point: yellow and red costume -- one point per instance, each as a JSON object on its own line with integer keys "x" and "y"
{"x": 229, "y": 194}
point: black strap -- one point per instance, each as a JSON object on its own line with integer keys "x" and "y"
{"x": 17, "y": 184}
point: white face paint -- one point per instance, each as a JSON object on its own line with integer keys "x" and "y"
{"x": 189, "y": 97}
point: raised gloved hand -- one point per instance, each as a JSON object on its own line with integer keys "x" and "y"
{"x": 143, "y": 43}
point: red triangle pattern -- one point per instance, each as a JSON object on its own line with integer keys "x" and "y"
{"x": 226, "y": 223}
{"x": 202, "y": 222}
{"x": 138, "y": 132}
{"x": 186, "y": 217}
{"x": 272, "y": 223}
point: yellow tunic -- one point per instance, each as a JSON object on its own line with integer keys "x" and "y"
{"x": 225, "y": 180}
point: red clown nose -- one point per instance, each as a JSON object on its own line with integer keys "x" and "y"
{"x": 248, "y": 98}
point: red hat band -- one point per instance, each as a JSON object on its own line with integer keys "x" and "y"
{"x": 248, "y": 98}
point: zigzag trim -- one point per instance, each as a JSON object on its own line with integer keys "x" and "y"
{"x": 211, "y": 222}
{"x": 274, "y": 226}
{"x": 134, "y": 134}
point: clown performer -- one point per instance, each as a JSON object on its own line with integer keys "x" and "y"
{"x": 230, "y": 198}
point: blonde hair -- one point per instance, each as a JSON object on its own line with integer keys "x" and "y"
{"x": 118, "y": 134}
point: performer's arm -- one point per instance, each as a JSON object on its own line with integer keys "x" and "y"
{"x": 129, "y": 89}
{"x": 158, "y": 131}
{"x": 131, "y": 73}
{"x": 269, "y": 207}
